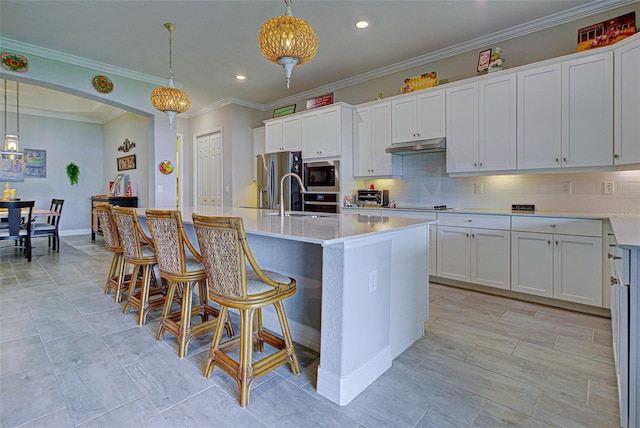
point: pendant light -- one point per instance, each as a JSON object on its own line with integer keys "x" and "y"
{"x": 170, "y": 100}
{"x": 288, "y": 41}
{"x": 11, "y": 148}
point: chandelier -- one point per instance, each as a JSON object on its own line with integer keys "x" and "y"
{"x": 170, "y": 100}
{"x": 11, "y": 148}
{"x": 288, "y": 41}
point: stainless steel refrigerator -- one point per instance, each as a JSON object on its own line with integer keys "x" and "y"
{"x": 271, "y": 168}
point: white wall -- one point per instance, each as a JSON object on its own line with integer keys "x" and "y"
{"x": 65, "y": 141}
{"x": 136, "y": 128}
{"x": 244, "y": 188}
{"x": 425, "y": 183}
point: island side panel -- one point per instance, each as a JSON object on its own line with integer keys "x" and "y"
{"x": 355, "y": 316}
{"x": 409, "y": 287}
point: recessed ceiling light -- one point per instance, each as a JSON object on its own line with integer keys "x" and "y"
{"x": 241, "y": 77}
{"x": 362, "y": 24}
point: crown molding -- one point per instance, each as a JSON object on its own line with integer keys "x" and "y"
{"x": 225, "y": 102}
{"x": 63, "y": 116}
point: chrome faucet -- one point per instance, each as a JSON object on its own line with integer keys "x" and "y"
{"x": 303, "y": 190}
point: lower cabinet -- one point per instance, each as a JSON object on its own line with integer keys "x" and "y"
{"x": 558, "y": 265}
{"x": 474, "y": 254}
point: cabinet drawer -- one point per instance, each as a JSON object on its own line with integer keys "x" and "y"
{"x": 565, "y": 226}
{"x": 481, "y": 221}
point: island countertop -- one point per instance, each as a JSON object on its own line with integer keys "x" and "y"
{"x": 316, "y": 228}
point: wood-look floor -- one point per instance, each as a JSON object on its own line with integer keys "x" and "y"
{"x": 69, "y": 357}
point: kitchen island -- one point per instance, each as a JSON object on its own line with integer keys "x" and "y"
{"x": 362, "y": 294}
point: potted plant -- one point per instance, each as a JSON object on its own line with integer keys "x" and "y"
{"x": 73, "y": 171}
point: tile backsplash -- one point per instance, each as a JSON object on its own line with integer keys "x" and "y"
{"x": 425, "y": 183}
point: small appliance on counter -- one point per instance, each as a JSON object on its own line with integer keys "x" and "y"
{"x": 373, "y": 198}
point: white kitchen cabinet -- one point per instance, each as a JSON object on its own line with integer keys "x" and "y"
{"x": 418, "y": 117}
{"x": 258, "y": 148}
{"x": 324, "y": 129}
{"x": 550, "y": 259}
{"x": 481, "y": 125}
{"x": 626, "y": 103}
{"x": 539, "y": 112}
{"x": 372, "y": 130}
{"x": 587, "y": 111}
{"x": 283, "y": 134}
{"x": 478, "y": 254}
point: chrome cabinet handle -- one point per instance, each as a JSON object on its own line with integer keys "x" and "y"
{"x": 556, "y": 242}
{"x": 616, "y": 156}
{"x": 564, "y": 159}
{"x": 468, "y": 221}
{"x": 611, "y": 256}
{"x": 548, "y": 242}
{"x": 552, "y": 225}
{"x": 614, "y": 281}
{"x": 557, "y": 160}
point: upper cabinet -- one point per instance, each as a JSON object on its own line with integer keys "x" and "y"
{"x": 626, "y": 148}
{"x": 318, "y": 133}
{"x": 481, "y": 125}
{"x": 418, "y": 117}
{"x": 372, "y": 133}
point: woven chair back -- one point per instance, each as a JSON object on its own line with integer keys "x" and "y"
{"x": 221, "y": 245}
{"x": 167, "y": 232}
{"x": 108, "y": 226}
{"x": 128, "y": 230}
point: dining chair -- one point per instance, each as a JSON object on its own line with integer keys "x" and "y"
{"x": 145, "y": 292}
{"x": 49, "y": 228}
{"x": 180, "y": 265}
{"x": 225, "y": 253}
{"x": 117, "y": 279}
{"x": 19, "y": 216}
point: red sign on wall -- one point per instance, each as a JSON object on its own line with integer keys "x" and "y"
{"x": 320, "y": 101}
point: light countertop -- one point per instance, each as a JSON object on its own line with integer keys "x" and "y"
{"x": 308, "y": 227}
{"x": 627, "y": 231}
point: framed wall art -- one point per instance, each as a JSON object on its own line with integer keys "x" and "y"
{"x": 35, "y": 163}
{"x": 283, "y": 111}
{"x": 127, "y": 162}
{"x": 483, "y": 60}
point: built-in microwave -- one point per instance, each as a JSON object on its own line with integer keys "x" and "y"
{"x": 322, "y": 176}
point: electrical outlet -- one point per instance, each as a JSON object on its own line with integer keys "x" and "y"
{"x": 567, "y": 187}
{"x": 160, "y": 188}
{"x": 609, "y": 188}
{"x": 373, "y": 281}
{"x": 478, "y": 188}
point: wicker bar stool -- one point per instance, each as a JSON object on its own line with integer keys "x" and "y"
{"x": 145, "y": 292}
{"x": 181, "y": 272}
{"x": 116, "y": 279}
{"x": 225, "y": 252}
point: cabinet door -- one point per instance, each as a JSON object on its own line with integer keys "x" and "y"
{"x": 577, "y": 269}
{"x": 403, "y": 119}
{"x": 587, "y": 111}
{"x": 532, "y": 263}
{"x": 380, "y": 137}
{"x": 310, "y": 135}
{"x": 626, "y": 128}
{"x": 462, "y": 128}
{"x": 362, "y": 144}
{"x": 453, "y": 258}
{"x": 497, "y": 123}
{"x": 273, "y": 137}
{"x": 490, "y": 258}
{"x": 330, "y": 141}
{"x": 539, "y": 123}
{"x": 291, "y": 134}
{"x": 430, "y": 117}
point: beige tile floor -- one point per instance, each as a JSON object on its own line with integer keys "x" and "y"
{"x": 69, "y": 357}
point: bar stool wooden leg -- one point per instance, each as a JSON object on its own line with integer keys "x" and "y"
{"x": 215, "y": 343}
{"x": 166, "y": 310}
{"x": 245, "y": 368}
{"x": 131, "y": 298}
{"x": 288, "y": 339}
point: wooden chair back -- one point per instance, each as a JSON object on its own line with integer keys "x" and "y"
{"x": 171, "y": 240}
{"x": 108, "y": 225}
{"x": 131, "y": 234}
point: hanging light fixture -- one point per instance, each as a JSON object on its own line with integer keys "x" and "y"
{"x": 288, "y": 41}
{"x": 170, "y": 100}
{"x": 11, "y": 148}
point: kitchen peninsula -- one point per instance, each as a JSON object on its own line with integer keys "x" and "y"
{"x": 362, "y": 287}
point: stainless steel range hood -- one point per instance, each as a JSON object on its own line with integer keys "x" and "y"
{"x": 433, "y": 145}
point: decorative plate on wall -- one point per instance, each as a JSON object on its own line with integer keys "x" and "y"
{"x": 166, "y": 167}
{"x": 14, "y": 62}
{"x": 102, "y": 84}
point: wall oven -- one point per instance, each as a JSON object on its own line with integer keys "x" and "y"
{"x": 322, "y": 181}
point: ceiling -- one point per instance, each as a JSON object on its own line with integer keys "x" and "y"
{"x": 215, "y": 40}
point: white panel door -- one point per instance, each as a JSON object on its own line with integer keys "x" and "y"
{"x": 453, "y": 257}
{"x": 627, "y": 104}
{"x": 430, "y": 119}
{"x": 291, "y": 134}
{"x": 215, "y": 165}
{"x": 330, "y": 127}
{"x": 577, "y": 269}
{"x": 497, "y": 123}
{"x": 403, "y": 119}
{"x": 273, "y": 137}
{"x": 491, "y": 257}
{"x": 587, "y": 111}
{"x": 380, "y": 137}
{"x": 203, "y": 171}
{"x": 362, "y": 143}
{"x": 310, "y": 135}
{"x": 462, "y": 128}
{"x": 532, "y": 263}
{"x": 539, "y": 112}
